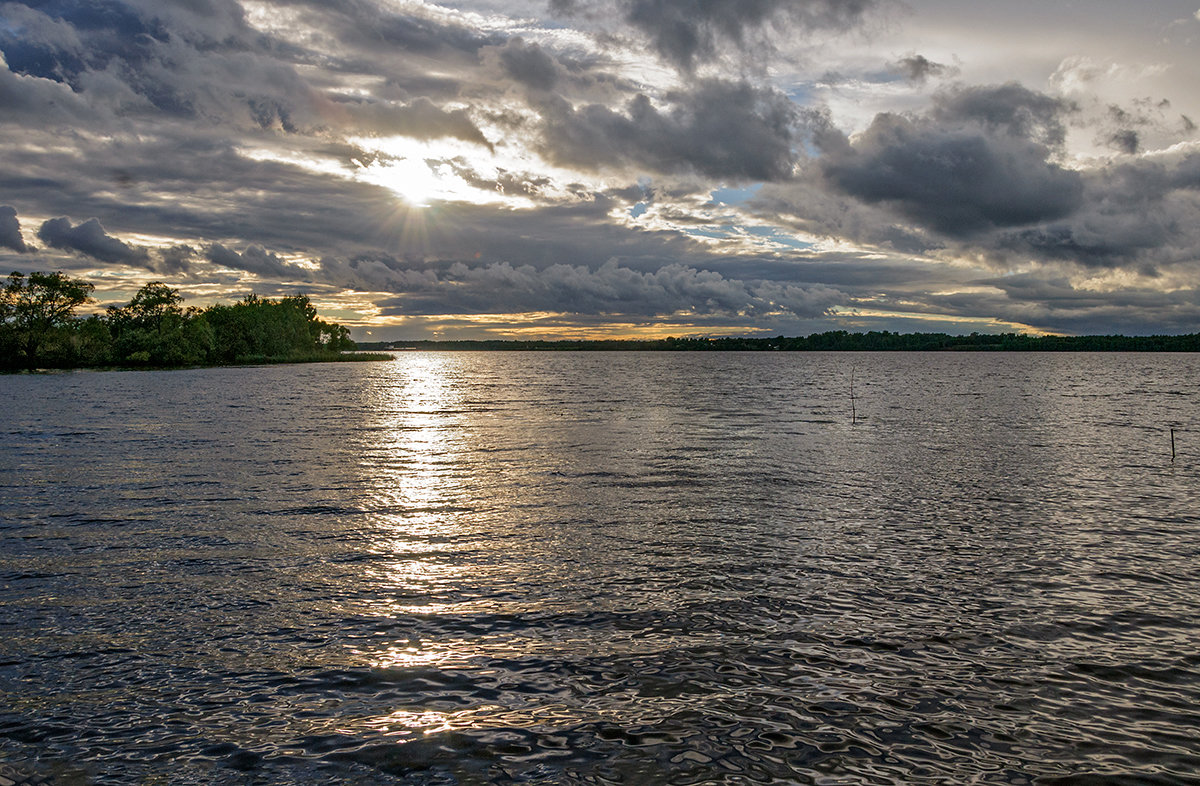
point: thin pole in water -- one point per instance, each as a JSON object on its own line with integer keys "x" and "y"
{"x": 1172, "y": 446}
{"x": 853, "y": 409}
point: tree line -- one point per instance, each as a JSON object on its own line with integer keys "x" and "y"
{"x": 837, "y": 341}
{"x": 39, "y": 328}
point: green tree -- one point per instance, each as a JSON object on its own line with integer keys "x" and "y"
{"x": 154, "y": 329}
{"x": 36, "y": 314}
{"x": 151, "y": 305}
{"x": 261, "y": 329}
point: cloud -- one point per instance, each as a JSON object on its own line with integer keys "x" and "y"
{"x": 383, "y": 29}
{"x": 610, "y": 289}
{"x": 1125, "y": 140}
{"x": 1010, "y": 108}
{"x": 1056, "y": 303}
{"x": 419, "y": 119}
{"x": 977, "y": 177}
{"x": 10, "y": 230}
{"x": 1125, "y": 104}
{"x": 197, "y": 62}
{"x": 1141, "y": 214}
{"x": 918, "y": 68}
{"x": 686, "y": 32}
{"x": 90, "y": 238}
{"x": 979, "y": 160}
{"x": 254, "y": 259}
{"x": 155, "y": 55}
{"x": 1123, "y": 128}
{"x": 177, "y": 260}
{"x": 30, "y": 101}
{"x": 958, "y": 184}
{"x": 528, "y": 64}
{"x": 731, "y": 130}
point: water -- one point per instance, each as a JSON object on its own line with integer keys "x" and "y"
{"x": 580, "y": 568}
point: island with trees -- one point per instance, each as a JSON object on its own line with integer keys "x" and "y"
{"x": 40, "y": 329}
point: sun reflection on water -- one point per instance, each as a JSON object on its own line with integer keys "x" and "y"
{"x": 414, "y": 461}
{"x": 421, "y": 539}
{"x": 403, "y": 723}
{"x": 448, "y": 569}
{"x": 418, "y": 438}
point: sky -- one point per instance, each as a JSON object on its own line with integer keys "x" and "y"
{"x": 615, "y": 168}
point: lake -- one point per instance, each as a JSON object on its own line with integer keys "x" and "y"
{"x": 602, "y": 568}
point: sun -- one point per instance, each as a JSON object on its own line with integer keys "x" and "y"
{"x": 424, "y": 173}
{"x": 413, "y": 179}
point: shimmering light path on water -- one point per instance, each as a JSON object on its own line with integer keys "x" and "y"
{"x": 605, "y": 568}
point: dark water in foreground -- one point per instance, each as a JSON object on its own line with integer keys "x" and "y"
{"x": 605, "y": 568}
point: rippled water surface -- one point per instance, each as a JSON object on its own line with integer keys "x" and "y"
{"x": 562, "y": 568}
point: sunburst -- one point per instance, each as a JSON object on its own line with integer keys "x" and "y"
{"x": 413, "y": 180}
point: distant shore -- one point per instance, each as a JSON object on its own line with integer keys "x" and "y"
{"x": 833, "y": 341}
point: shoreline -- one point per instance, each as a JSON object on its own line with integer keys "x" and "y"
{"x": 346, "y": 357}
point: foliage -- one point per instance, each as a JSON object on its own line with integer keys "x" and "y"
{"x": 155, "y": 330}
{"x": 38, "y": 328}
{"x": 36, "y": 314}
{"x": 263, "y": 329}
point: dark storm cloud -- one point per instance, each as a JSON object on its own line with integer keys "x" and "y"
{"x": 10, "y": 230}
{"x": 90, "y": 238}
{"x": 721, "y": 129}
{"x": 685, "y": 32}
{"x": 541, "y": 72}
{"x": 978, "y": 161}
{"x": 958, "y": 182}
{"x": 966, "y": 179}
{"x": 1141, "y": 214}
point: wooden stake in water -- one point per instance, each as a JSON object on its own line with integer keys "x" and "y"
{"x": 853, "y": 409}
{"x": 1172, "y": 446}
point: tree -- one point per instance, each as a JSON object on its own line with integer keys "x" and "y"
{"x": 260, "y": 329}
{"x": 33, "y": 310}
{"x": 154, "y": 329}
{"x": 151, "y": 305}
{"x": 335, "y": 337}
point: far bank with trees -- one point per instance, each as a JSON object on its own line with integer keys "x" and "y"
{"x": 39, "y": 328}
